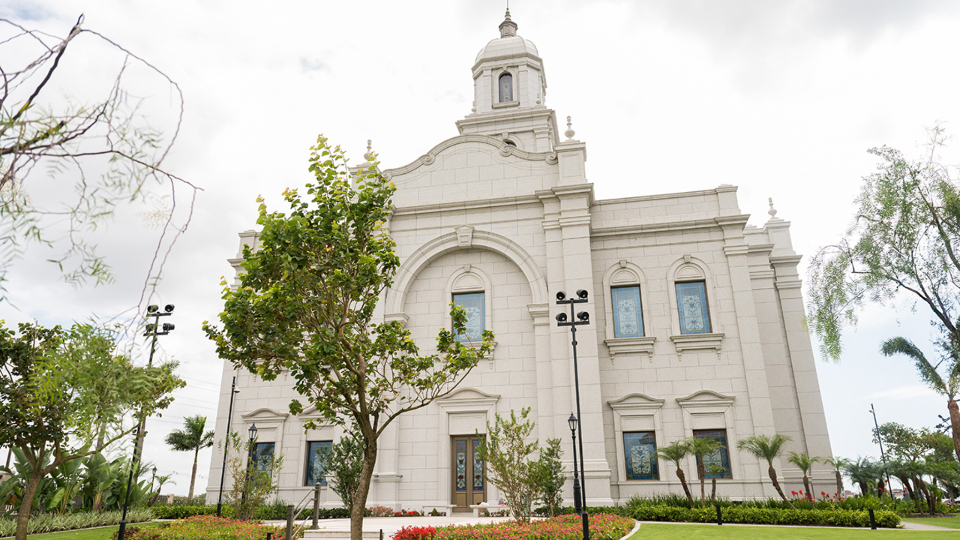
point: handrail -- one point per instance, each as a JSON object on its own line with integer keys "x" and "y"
{"x": 309, "y": 498}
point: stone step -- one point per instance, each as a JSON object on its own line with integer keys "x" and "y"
{"x": 324, "y": 534}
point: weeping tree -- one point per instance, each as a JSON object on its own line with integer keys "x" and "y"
{"x": 767, "y": 448}
{"x": 305, "y": 307}
{"x": 904, "y": 243}
{"x": 191, "y": 439}
{"x": 675, "y": 452}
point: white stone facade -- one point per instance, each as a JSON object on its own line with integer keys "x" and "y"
{"x": 505, "y": 209}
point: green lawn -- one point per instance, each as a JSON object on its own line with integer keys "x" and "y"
{"x": 99, "y": 533}
{"x": 667, "y": 531}
{"x": 950, "y": 522}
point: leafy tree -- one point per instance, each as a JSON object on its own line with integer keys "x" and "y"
{"x": 903, "y": 243}
{"x": 252, "y": 482}
{"x": 550, "y": 476}
{"x": 767, "y": 448}
{"x": 805, "y": 464}
{"x": 506, "y": 454}
{"x": 41, "y": 133}
{"x": 838, "y": 464}
{"x": 54, "y": 387}
{"x": 306, "y": 302}
{"x": 676, "y": 452}
{"x": 191, "y": 438}
{"x": 864, "y": 472}
{"x": 947, "y": 384}
{"x": 343, "y": 462}
{"x": 702, "y": 447}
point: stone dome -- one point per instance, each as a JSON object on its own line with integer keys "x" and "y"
{"x": 507, "y": 46}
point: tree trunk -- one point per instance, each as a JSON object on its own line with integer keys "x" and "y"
{"x": 683, "y": 482}
{"x": 955, "y": 424}
{"x": 702, "y": 472}
{"x": 360, "y": 498}
{"x": 931, "y": 503}
{"x": 913, "y": 496}
{"x": 26, "y": 504}
{"x": 863, "y": 488}
{"x": 713, "y": 490}
{"x": 193, "y": 475}
{"x": 839, "y": 493}
{"x": 776, "y": 484}
{"x": 806, "y": 486}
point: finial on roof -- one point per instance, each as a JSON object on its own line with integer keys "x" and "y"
{"x": 772, "y": 211}
{"x": 508, "y": 28}
{"x": 369, "y": 155}
{"x": 569, "y": 132}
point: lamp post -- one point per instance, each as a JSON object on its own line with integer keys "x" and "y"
{"x": 882, "y": 456}
{"x": 226, "y": 442}
{"x": 151, "y": 330}
{"x": 572, "y": 422}
{"x": 246, "y": 477}
{"x": 581, "y": 318}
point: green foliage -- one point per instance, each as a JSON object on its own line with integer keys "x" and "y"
{"x": 191, "y": 439}
{"x": 252, "y": 482}
{"x": 210, "y": 527}
{"x": 506, "y": 454}
{"x": 343, "y": 463}
{"x": 306, "y": 307}
{"x": 269, "y": 512}
{"x": 701, "y": 447}
{"x": 675, "y": 452}
{"x": 603, "y": 526}
{"x": 767, "y": 448}
{"x": 549, "y": 477}
{"x": 763, "y": 516}
{"x": 45, "y": 523}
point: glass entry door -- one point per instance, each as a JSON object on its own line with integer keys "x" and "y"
{"x": 468, "y": 486}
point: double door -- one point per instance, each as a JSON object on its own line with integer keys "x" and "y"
{"x": 467, "y": 485}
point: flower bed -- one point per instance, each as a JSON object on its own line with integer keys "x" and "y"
{"x": 206, "y": 528}
{"x": 602, "y": 527}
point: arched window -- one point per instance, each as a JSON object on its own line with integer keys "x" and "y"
{"x": 506, "y": 87}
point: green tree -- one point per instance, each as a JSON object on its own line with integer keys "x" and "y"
{"x": 43, "y": 133}
{"x": 191, "y": 439}
{"x": 714, "y": 470}
{"x": 838, "y": 464}
{"x": 903, "y": 243}
{"x": 55, "y": 386}
{"x": 676, "y": 452}
{"x": 805, "y": 464}
{"x": 864, "y": 472}
{"x": 253, "y": 481}
{"x": 342, "y": 462}
{"x": 306, "y": 303}
{"x": 550, "y": 476}
{"x": 767, "y": 448}
{"x": 506, "y": 454}
{"x": 701, "y": 447}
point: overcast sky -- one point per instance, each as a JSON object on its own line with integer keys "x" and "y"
{"x": 782, "y": 99}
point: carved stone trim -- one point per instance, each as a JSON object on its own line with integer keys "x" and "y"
{"x": 697, "y": 342}
{"x": 636, "y": 345}
{"x": 464, "y": 236}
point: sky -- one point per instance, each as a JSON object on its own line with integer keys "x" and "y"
{"x": 782, "y": 99}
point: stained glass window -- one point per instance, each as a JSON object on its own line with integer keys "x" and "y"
{"x": 720, "y": 456}
{"x": 477, "y": 467}
{"x": 506, "y": 87}
{"x": 641, "y": 455}
{"x": 461, "y": 465}
{"x": 692, "y": 303}
{"x": 263, "y": 456}
{"x": 472, "y": 304}
{"x": 315, "y": 472}
{"x": 627, "y": 318}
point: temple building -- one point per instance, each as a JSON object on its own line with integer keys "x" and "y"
{"x": 696, "y": 318}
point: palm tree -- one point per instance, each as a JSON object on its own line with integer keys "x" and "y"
{"x": 191, "y": 437}
{"x": 863, "y": 471}
{"x": 768, "y": 448}
{"x": 838, "y": 464}
{"x": 675, "y": 452}
{"x": 949, "y": 386}
{"x": 804, "y": 463}
{"x": 701, "y": 447}
{"x": 714, "y": 470}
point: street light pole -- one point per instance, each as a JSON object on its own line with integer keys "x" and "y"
{"x": 581, "y": 318}
{"x": 246, "y": 477}
{"x": 226, "y": 443}
{"x": 151, "y": 330}
{"x": 572, "y": 422}
{"x": 883, "y": 457}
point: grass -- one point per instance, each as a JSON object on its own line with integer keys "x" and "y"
{"x": 950, "y": 522}
{"x": 98, "y": 533}
{"x": 664, "y": 531}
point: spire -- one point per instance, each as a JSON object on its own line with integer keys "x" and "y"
{"x": 508, "y": 28}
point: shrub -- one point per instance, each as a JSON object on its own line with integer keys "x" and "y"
{"x": 763, "y": 516}
{"x": 277, "y": 510}
{"x": 569, "y": 527}
{"x": 207, "y": 528}
{"x": 44, "y": 523}
{"x": 414, "y": 533}
{"x": 381, "y": 511}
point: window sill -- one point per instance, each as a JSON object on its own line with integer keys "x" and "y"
{"x": 506, "y": 104}
{"x": 697, "y": 342}
{"x": 474, "y": 345}
{"x": 637, "y": 345}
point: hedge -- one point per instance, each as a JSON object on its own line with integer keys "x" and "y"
{"x": 44, "y": 523}
{"x": 276, "y": 511}
{"x": 762, "y": 516}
